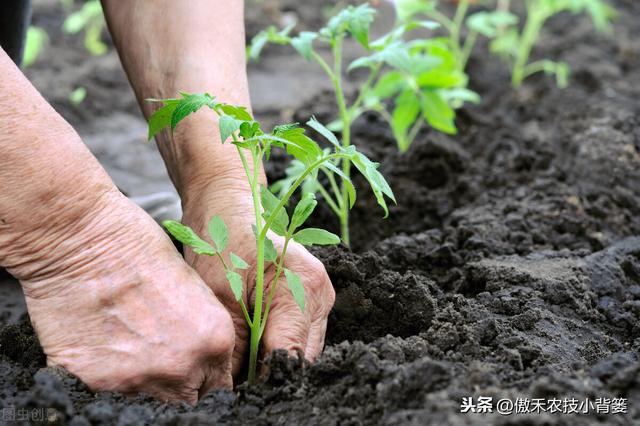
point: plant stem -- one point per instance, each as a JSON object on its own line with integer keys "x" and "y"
{"x": 259, "y": 288}
{"x": 346, "y": 134}
{"x": 458, "y": 19}
{"x": 535, "y": 19}
{"x": 469, "y": 43}
{"x": 295, "y": 186}
{"x": 274, "y": 284}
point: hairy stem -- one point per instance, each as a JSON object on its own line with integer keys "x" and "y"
{"x": 259, "y": 288}
{"x": 274, "y": 285}
{"x": 346, "y": 134}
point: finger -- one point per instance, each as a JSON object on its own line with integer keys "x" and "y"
{"x": 216, "y": 377}
{"x": 315, "y": 341}
{"x": 287, "y": 326}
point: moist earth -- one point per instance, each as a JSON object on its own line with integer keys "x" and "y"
{"x": 510, "y": 267}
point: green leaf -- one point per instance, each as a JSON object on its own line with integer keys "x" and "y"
{"x": 228, "y": 125}
{"x": 438, "y": 113}
{"x": 355, "y": 20}
{"x": 190, "y": 103}
{"x": 295, "y": 286}
{"x": 404, "y": 114}
{"x": 35, "y": 42}
{"x": 303, "y": 210}
{"x": 78, "y": 95}
{"x": 303, "y": 43}
{"x": 235, "y": 281}
{"x": 301, "y": 146}
{"x": 237, "y": 112}
{"x": 389, "y": 84}
{"x": 488, "y": 23}
{"x": 378, "y": 184}
{"x": 320, "y": 128}
{"x": 188, "y": 237}
{"x": 351, "y": 191}
{"x": 457, "y": 96}
{"x": 161, "y": 119}
{"x": 316, "y": 236}
{"x": 219, "y": 233}
{"x": 270, "y": 253}
{"x": 439, "y": 78}
{"x": 269, "y": 203}
{"x": 270, "y": 35}
{"x": 238, "y": 262}
{"x": 405, "y": 9}
{"x": 359, "y": 22}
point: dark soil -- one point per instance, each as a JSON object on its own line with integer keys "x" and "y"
{"x": 509, "y": 268}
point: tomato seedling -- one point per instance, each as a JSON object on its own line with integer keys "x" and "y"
{"x": 419, "y": 78}
{"x": 515, "y": 45}
{"x": 235, "y": 123}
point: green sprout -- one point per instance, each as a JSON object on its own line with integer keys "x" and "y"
{"x": 489, "y": 23}
{"x": 90, "y": 19}
{"x": 418, "y": 78}
{"x": 515, "y": 45}
{"x": 271, "y": 216}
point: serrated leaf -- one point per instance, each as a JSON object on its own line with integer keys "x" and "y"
{"x": 235, "y": 281}
{"x": 378, "y": 184}
{"x": 303, "y": 210}
{"x": 219, "y": 233}
{"x": 359, "y": 22}
{"x": 295, "y": 286}
{"x": 269, "y": 203}
{"x": 227, "y": 125}
{"x": 189, "y": 104}
{"x": 301, "y": 146}
{"x": 316, "y": 236}
{"x": 188, "y": 237}
{"x": 249, "y": 129}
{"x": 270, "y": 253}
{"x": 161, "y": 119}
{"x": 320, "y": 128}
{"x": 351, "y": 190}
{"x": 238, "y": 262}
{"x": 303, "y": 43}
{"x": 237, "y": 112}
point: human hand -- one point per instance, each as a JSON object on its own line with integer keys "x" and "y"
{"x": 287, "y": 326}
{"x": 113, "y": 302}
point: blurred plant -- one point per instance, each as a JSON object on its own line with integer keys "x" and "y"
{"x": 89, "y": 19}
{"x": 236, "y": 124}
{"x": 488, "y": 23}
{"x": 501, "y": 27}
{"x": 515, "y": 45}
{"x": 418, "y": 78}
{"x": 37, "y": 39}
{"x": 78, "y": 95}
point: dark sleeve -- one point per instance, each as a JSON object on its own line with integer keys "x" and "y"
{"x": 14, "y": 21}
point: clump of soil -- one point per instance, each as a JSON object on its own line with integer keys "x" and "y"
{"x": 509, "y": 268}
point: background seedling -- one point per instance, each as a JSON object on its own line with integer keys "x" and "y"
{"x": 37, "y": 39}
{"x": 515, "y": 45}
{"x": 89, "y": 19}
{"x": 418, "y": 78}
{"x": 271, "y": 216}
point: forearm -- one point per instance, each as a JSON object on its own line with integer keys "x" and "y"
{"x": 46, "y": 171}
{"x": 170, "y": 46}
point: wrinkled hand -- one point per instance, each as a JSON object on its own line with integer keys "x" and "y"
{"x": 114, "y": 303}
{"x": 287, "y": 326}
